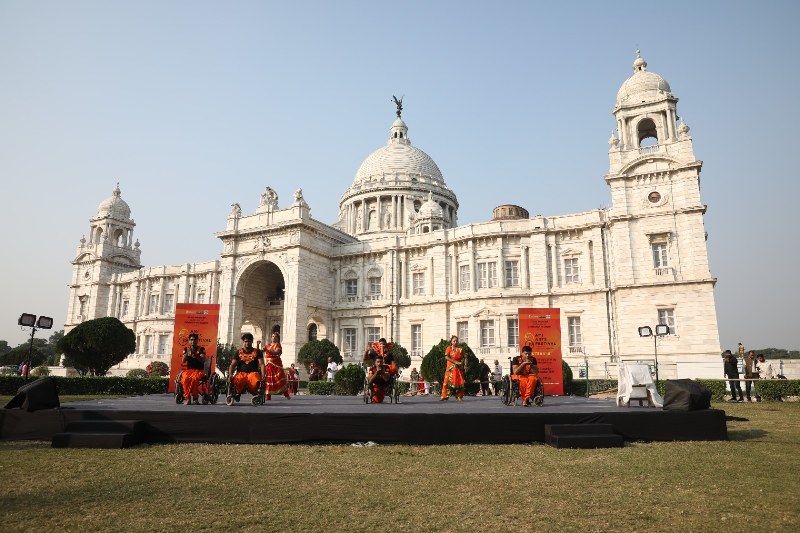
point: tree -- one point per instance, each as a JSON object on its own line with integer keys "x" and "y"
{"x": 225, "y": 353}
{"x": 20, "y": 354}
{"x": 433, "y": 364}
{"x": 318, "y": 352}
{"x": 96, "y": 345}
{"x": 54, "y": 356}
{"x": 401, "y": 357}
{"x": 350, "y": 379}
{"x": 4, "y": 347}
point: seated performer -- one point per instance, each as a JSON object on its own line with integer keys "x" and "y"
{"x": 274, "y": 375}
{"x": 525, "y": 369}
{"x": 378, "y": 377}
{"x": 248, "y": 365}
{"x": 194, "y": 357}
{"x": 382, "y": 349}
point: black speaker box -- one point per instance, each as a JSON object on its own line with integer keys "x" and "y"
{"x": 36, "y": 395}
{"x": 686, "y": 395}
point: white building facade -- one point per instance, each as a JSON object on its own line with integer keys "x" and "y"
{"x": 398, "y": 265}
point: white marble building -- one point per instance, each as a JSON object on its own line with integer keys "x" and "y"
{"x": 398, "y": 265}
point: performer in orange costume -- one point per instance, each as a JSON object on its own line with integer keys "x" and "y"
{"x": 454, "y": 371}
{"x": 248, "y": 363}
{"x": 528, "y": 374}
{"x": 275, "y": 375}
{"x": 379, "y": 376}
{"x": 194, "y": 357}
{"x": 381, "y": 349}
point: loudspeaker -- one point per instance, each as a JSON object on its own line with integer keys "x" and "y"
{"x": 39, "y": 394}
{"x": 686, "y": 395}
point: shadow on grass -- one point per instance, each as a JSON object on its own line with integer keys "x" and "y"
{"x": 746, "y": 434}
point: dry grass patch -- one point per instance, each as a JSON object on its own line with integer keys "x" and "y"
{"x": 684, "y": 486}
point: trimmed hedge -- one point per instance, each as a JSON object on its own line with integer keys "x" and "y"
{"x": 595, "y": 386}
{"x": 323, "y": 388}
{"x": 92, "y": 385}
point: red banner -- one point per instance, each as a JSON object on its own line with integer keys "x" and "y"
{"x": 202, "y": 319}
{"x": 541, "y": 330}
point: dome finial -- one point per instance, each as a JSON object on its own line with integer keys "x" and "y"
{"x": 399, "y": 104}
{"x": 116, "y": 192}
{"x": 639, "y": 63}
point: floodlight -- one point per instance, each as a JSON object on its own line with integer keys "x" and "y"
{"x": 27, "y": 320}
{"x": 44, "y": 322}
{"x": 662, "y": 329}
{"x": 645, "y": 331}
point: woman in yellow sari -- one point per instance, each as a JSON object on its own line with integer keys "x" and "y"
{"x": 454, "y": 371}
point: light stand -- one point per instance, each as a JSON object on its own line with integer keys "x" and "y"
{"x": 28, "y": 320}
{"x": 647, "y": 331}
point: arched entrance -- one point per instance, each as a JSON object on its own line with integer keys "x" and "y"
{"x": 261, "y": 289}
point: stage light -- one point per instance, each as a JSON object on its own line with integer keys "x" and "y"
{"x": 44, "y": 322}
{"x": 26, "y": 319}
{"x": 662, "y": 329}
{"x": 647, "y": 331}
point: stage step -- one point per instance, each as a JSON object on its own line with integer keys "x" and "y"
{"x": 100, "y": 434}
{"x": 582, "y": 436}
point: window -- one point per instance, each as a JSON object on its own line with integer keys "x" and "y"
{"x": 487, "y": 333}
{"x": 487, "y": 275}
{"x": 349, "y": 336}
{"x": 575, "y": 337}
{"x": 418, "y": 283}
{"x": 513, "y": 331}
{"x": 163, "y": 344}
{"x": 512, "y": 273}
{"x": 372, "y": 334}
{"x": 416, "y": 339}
{"x": 571, "y": 270}
{"x": 375, "y": 286}
{"x": 312, "y": 332}
{"x": 463, "y": 278}
{"x": 153, "y": 304}
{"x": 201, "y": 297}
{"x": 148, "y": 344}
{"x": 351, "y": 289}
{"x": 660, "y": 255}
{"x": 82, "y": 311}
{"x": 168, "y": 301}
{"x": 667, "y": 316}
{"x": 462, "y": 330}
{"x": 124, "y": 312}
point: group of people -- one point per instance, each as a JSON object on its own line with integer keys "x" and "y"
{"x": 251, "y": 370}
{"x": 316, "y": 373}
{"x": 755, "y": 367}
{"x": 381, "y": 369}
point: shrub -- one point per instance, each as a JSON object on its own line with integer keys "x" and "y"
{"x": 322, "y": 388}
{"x": 401, "y": 357}
{"x": 96, "y": 345}
{"x": 40, "y": 371}
{"x": 595, "y": 386}
{"x": 157, "y": 368}
{"x": 137, "y": 373}
{"x": 776, "y": 390}
{"x": 349, "y": 380}
{"x": 88, "y": 385}
{"x": 318, "y": 352}
{"x": 566, "y": 376}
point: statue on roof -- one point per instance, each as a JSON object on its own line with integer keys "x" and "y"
{"x": 399, "y": 104}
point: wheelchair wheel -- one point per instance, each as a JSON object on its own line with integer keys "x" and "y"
{"x": 396, "y": 391}
{"x": 178, "y": 391}
{"x": 213, "y": 389}
{"x": 256, "y": 401}
{"x": 505, "y": 391}
{"x": 538, "y": 394}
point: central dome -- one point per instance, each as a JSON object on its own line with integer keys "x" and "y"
{"x": 114, "y": 206}
{"x": 643, "y": 86}
{"x": 398, "y": 157}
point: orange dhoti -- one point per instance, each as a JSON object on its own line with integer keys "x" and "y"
{"x": 190, "y": 381}
{"x": 378, "y": 389}
{"x": 246, "y": 381}
{"x": 275, "y": 378}
{"x": 527, "y": 386}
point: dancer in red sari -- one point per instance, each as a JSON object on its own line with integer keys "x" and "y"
{"x": 275, "y": 376}
{"x": 454, "y": 371}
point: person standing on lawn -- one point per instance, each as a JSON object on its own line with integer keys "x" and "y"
{"x": 731, "y": 368}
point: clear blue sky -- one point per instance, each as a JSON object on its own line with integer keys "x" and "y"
{"x": 195, "y": 105}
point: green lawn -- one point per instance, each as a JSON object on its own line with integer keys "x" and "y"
{"x": 747, "y": 483}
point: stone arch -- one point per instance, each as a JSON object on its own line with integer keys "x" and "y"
{"x": 260, "y": 293}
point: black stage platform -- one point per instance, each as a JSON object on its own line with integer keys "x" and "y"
{"x": 347, "y": 419}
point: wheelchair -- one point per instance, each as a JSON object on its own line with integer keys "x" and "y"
{"x": 209, "y": 388}
{"x": 392, "y": 390}
{"x": 259, "y": 398}
{"x": 510, "y": 392}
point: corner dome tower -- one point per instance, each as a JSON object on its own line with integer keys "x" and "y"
{"x": 643, "y": 87}
{"x": 391, "y": 186}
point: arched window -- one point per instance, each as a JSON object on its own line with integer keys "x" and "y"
{"x": 647, "y": 132}
{"x": 312, "y": 332}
